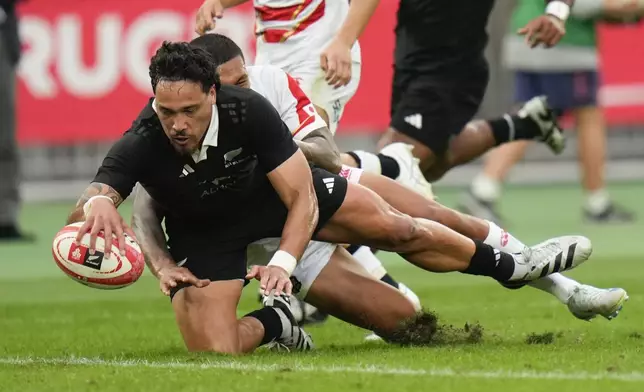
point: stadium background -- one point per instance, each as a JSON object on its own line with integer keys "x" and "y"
{"x": 83, "y": 78}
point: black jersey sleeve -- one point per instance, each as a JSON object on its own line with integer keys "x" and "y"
{"x": 123, "y": 164}
{"x": 269, "y": 137}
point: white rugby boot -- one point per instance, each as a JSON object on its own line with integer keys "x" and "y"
{"x": 587, "y": 302}
{"x": 554, "y": 255}
{"x": 293, "y": 337}
{"x": 410, "y": 174}
{"x": 411, "y": 296}
{"x": 538, "y": 110}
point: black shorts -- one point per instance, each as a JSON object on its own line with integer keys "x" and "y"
{"x": 432, "y": 107}
{"x": 218, "y": 252}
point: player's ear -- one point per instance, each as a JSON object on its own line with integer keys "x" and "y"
{"x": 212, "y": 95}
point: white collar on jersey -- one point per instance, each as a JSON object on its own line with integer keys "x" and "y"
{"x": 211, "y": 137}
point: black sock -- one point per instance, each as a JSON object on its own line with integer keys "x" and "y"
{"x": 491, "y": 262}
{"x": 510, "y": 128}
{"x": 271, "y": 322}
{"x": 389, "y": 280}
{"x": 389, "y": 166}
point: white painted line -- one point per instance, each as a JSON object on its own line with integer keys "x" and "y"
{"x": 231, "y": 365}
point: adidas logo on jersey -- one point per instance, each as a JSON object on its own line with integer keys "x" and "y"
{"x": 186, "y": 170}
{"x": 415, "y": 120}
{"x": 329, "y": 182}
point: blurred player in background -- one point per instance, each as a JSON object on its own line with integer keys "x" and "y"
{"x": 568, "y": 75}
{"x": 440, "y": 77}
{"x": 316, "y": 42}
{"x": 9, "y": 158}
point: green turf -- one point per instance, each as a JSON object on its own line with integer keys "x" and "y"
{"x": 54, "y": 333}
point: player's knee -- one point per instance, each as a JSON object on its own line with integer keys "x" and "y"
{"x": 215, "y": 346}
{"x": 436, "y": 171}
{"x": 397, "y": 230}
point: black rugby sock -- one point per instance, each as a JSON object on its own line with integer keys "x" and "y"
{"x": 388, "y": 166}
{"x": 270, "y": 320}
{"x": 510, "y": 128}
{"x": 389, "y": 280}
{"x": 488, "y": 261}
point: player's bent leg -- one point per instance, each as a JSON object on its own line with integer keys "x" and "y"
{"x": 207, "y": 319}
{"x": 425, "y": 155}
{"x": 345, "y": 290}
{"x": 365, "y": 218}
{"x": 416, "y": 206}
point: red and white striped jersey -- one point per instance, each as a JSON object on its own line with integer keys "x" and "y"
{"x": 283, "y": 92}
{"x": 295, "y": 31}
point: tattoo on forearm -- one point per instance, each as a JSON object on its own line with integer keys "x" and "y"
{"x": 95, "y": 189}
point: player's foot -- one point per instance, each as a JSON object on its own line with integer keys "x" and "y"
{"x": 541, "y": 114}
{"x": 587, "y": 302}
{"x": 472, "y": 205}
{"x": 293, "y": 337}
{"x": 554, "y": 255}
{"x": 613, "y": 213}
{"x": 410, "y": 174}
{"x": 411, "y": 296}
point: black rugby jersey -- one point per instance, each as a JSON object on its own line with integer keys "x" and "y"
{"x": 440, "y": 35}
{"x": 251, "y": 141}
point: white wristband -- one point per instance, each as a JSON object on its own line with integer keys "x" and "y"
{"x": 559, "y": 9}
{"x": 88, "y": 203}
{"x": 284, "y": 260}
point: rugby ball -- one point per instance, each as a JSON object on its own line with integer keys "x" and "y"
{"x": 95, "y": 270}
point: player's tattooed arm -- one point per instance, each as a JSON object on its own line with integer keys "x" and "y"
{"x": 318, "y": 147}
{"x": 147, "y": 216}
{"x": 94, "y": 189}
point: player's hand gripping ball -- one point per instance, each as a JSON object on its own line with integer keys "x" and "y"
{"x": 101, "y": 270}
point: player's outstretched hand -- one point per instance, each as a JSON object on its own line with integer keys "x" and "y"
{"x": 103, "y": 216}
{"x": 209, "y": 10}
{"x": 172, "y": 275}
{"x": 271, "y": 278}
{"x": 545, "y": 29}
{"x": 335, "y": 61}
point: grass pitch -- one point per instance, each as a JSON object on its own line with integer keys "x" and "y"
{"x": 57, "y": 335}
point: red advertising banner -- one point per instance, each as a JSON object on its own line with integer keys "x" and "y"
{"x": 84, "y": 72}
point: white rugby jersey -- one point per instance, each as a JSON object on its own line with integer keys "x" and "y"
{"x": 283, "y": 92}
{"x": 296, "y": 31}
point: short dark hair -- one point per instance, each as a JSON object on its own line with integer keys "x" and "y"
{"x": 221, "y": 48}
{"x": 176, "y": 61}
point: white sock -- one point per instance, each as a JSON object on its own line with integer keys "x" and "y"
{"x": 370, "y": 262}
{"x": 502, "y": 240}
{"x": 486, "y": 188}
{"x": 369, "y": 162}
{"x": 597, "y": 201}
{"x": 555, "y": 284}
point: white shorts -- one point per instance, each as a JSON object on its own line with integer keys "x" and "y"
{"x": 311, "y": 79}
{"x": 316, "y": 256}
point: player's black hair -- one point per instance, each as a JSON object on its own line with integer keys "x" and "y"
{"x": 176, "y": 61}
{"x": 220, "y": 47}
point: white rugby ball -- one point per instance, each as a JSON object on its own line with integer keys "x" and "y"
{"x": 95, "y": 270}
